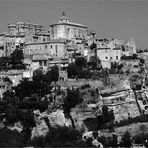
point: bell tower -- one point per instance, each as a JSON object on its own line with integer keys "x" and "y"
{"x": 63, "y": 18}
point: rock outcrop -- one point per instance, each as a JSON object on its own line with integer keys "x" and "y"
{"x": 17, "y": 126}
{"x": 80, "y": 114}
{"x": 41, "y": 129}
{"x": 55, "y": 119}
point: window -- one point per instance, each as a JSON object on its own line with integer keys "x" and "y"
{"x": 45, "y": 63}
{"x": 56, "y": 47}
{"x": 68, "y": 31}
{"x": 51, "y": 46}
{"x": 40, "y": 63}
{"x": 45, "y": 46}
{"x": 116, "y": 57}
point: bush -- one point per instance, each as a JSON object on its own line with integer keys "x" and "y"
{"x": 10, "y": 138}
{"x": 72, "y": 99}
{"x": 85, "y": 86}
{"x": 141, "y": 118}
{"x": 60, "y": 137}
{"x": 95, "y": 134}
{"x": 126, "y": 140}
{"x": 108, "y": 116}
{"x": 103, "y": 140}
{"x": 139, "y": 139}
{"x": 92, "y": 93}
{"x": 41, "y": 105}
{"x": 3, "y": 106}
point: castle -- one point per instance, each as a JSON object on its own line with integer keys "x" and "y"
{"x": 45, "y": 48}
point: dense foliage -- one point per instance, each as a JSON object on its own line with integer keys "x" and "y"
{"x": 60, "y": 137}
{"x": 72, "y": 70}
{"x": 72, "y": 99}
{"x": 14, "y": 61}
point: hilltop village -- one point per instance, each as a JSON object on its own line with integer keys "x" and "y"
{"x": 67, "y": 87}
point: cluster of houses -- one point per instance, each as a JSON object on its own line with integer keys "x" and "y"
{"x": 44, "y": 48}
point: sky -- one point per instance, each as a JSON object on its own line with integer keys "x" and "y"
{"x": 121, "y": 19}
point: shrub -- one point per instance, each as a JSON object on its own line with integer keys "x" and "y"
{"x": 95, "y": 134}
{"x": 139, "y": 139}
{"x": 85, "y": 86}
{"x": 10, "y": 138}
{"x": 3, "y": 106}
{"x": 103, "y": 140}
{"x": 141, "y": 118}
{"x": 60, "y": 137}
{"x": 126, "y": 140}
{"x": 92, "y": 93}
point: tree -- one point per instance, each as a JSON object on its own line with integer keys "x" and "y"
{"x": 54, "y": 74}
{"x": 72, "y": 70}
{"x": 39, "y": 85}
{"x": 93, "y": 46}
{"x": 136, "y": 82}
{"x": 126, "y": 140}
{"x": 24, "y": 89}
{"x": 16, "y": 59}
{"x": 13, "y": 61}
{"x": 107, "y": 115}
{"x": 114, "y": 141}
{"x": 11, "y": 114}
{"x": 106, "y": 79}
{"x": 37, "y": 82}
{"x": 6, "y": 79}
{"x": 92, "y": 62}
{"x": 4, "y": 63}
{"x": 72, "y": 99}
{"x": 9, "y": 138}
{"x": 28, "y": 122}
{"x": 85, "y": 74}
{"x": 9, "y": 97}
{"x": 60, "y": 137}
{"x": 139, "y": 139}
{"x": 80, "y": 62}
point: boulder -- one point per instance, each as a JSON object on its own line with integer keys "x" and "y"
{"x": 56, "y": 118}
{"x": 96, "y": 143}
{"x": 17, "y": 126}
{"x": 41, "y": 129}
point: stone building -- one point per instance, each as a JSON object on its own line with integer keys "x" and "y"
{"x": 65, "y": 39}
{"x": 59, "y": 42}
{"x": 109, "y": 51}
{"x": 68, "y": 30}
{"x": 73, "y": 33}
{"x": 20, "y": 33}
{"x": 108, "y": 55}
